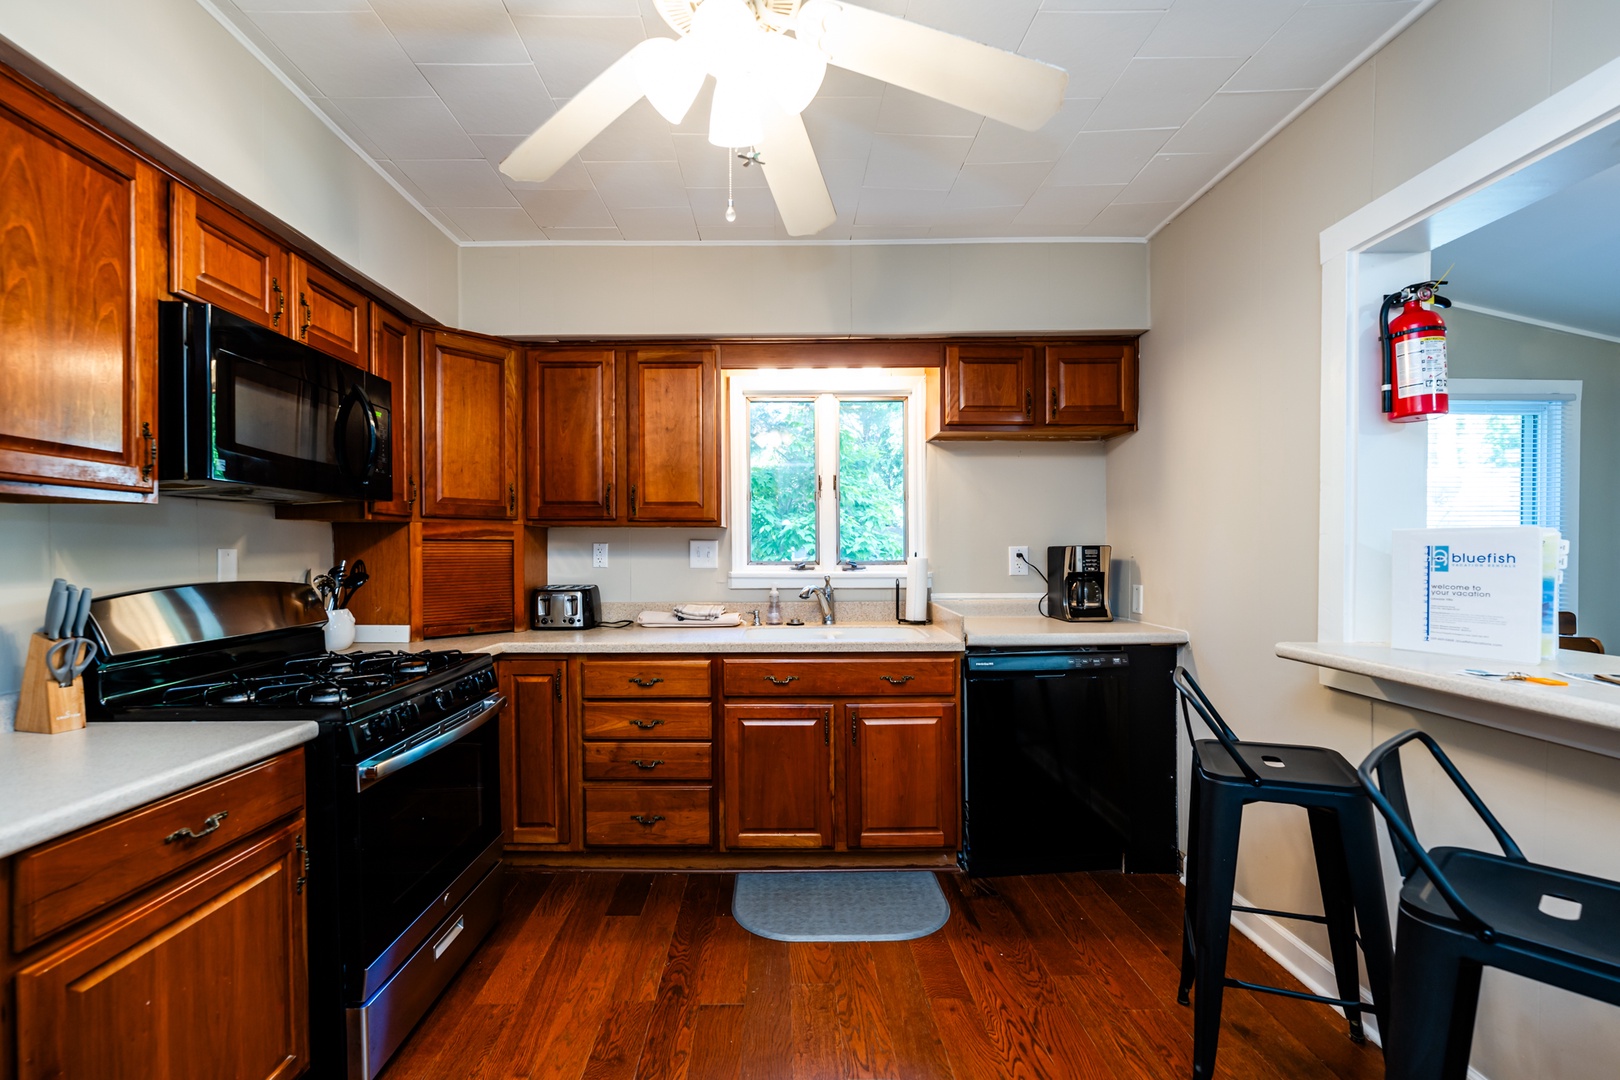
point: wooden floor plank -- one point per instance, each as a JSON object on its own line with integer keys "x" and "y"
{"x": 722, "y": 971}
{"x": 716, "y": 1043}
{"x": 919, "y": 1052}
{"x": 618, "y": 1043}
{"x": 631, "y": 895}
{"x": 865, "y": 1045}
{"x": 668, "y": 1050}
{"x": 767, "y": 1035}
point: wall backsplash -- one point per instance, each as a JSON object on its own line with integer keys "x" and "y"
{"x": 114, "y": 548}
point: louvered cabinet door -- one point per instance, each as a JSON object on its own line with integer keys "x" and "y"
{"x": 472, "y": 578}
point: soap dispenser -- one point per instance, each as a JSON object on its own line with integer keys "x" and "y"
{"x": 773, "y": 611}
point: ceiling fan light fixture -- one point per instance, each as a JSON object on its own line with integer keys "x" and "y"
{"x": 734, "y": 120}
{"x": 670, "y": 76}
{"x": 792, "y": 70}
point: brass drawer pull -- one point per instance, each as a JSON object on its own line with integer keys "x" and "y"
{"x": 646, "y": 725}
{"x": 210, "y": 824}
{"x": 774, "y": 681}
{"x": 647, "y": 819}
{"x": 639, "y": 681}
{"x": 901, "y": 681}
{"x": 653, "y": 764}
{"x": 281, "y": 302}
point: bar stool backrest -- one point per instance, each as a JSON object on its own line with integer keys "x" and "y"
{"x": 1192, "y": 694}
{"x": 1381, "y": 775}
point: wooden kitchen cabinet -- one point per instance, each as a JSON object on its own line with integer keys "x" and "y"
{"x": 80, "y": 272}
{"x": 571, "y": 435}
{"x": 672, "y": 437}
{"x": 220, "y": 258}
{"x": 534, "y": 748}
{"x": 989, "y": 384}
{"x": 900, "y": 784}
{"x": 470, "y": 419}
{"x": 393, "y": 357}
{"x": 1051, "y": 390}
{"x": 328, "y": 313}
{"x": 778, "y": 789}
{"x": 1091, "y": 385}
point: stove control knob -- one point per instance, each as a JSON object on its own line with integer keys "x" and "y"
{"x": 443, "y": 699}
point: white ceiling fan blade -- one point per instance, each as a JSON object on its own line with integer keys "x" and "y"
{"x": 1001, "y": 85}
{"x": 794, "y": 177}
{"x": 586, "y": 115}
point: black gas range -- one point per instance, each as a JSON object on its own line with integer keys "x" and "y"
{"x": 403, "y": 786}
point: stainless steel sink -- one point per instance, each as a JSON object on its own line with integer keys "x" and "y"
{"x": 852, "y": 634}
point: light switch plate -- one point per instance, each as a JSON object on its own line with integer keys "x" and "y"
{"x": 227, "y": 564}
{"x": 705, "y": 555}
{"x": 599, "y": 555}
{"x": 1136, "y": 599}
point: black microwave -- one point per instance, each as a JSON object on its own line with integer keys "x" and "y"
{"x": 246, "y": 413}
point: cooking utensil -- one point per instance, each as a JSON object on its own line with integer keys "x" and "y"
{"x": 56, "y": 609}
{"x": 82, "y": 617}
{"x": 67, "y": 659}
{"x": 356, "y": 577}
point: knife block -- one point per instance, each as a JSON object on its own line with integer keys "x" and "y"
{"x": 46, "y": 708}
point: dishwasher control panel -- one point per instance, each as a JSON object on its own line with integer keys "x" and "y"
{"x": 1076, "y": 660}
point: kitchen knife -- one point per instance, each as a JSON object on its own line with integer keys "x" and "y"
{"x": 56, "y": 609}
{"x": 83, "y": 615}
{"x": 69, "y": 611}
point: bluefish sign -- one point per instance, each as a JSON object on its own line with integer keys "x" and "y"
{"x": 1473, "y": 592}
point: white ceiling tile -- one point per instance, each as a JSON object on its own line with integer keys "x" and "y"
{"x": 1217, "y": 27}
{"x": 449, "y": 226}
{"x": 406, "y": 183}
{"x": 494, "y": 222}
{"x": 1231, "y": 123}
{"x": 844, "y": 178}
{"x": 1161, "y": 93}
{"x": 573, "y": 176}
{"x": 1001, "y": 24}
{"x": 417, "y": 127}
{"x": 1093, "y": 47}
{"x": 639, "y": 183}
{"x": 350, "y": 127}
{"x": 458, "y": 183}
{"x": 1315, "y": 45}
{"x": 1013, "y": 231}
{"x": 903, "y": 112}
{"x": 1107, "y": 157}
{"x": 996, "y": 185}
{"x": 570, "y": 52}
{"x": 566, "y": 209}
{"x": 573, "y": 8}
{"x": 639, "y": 135}
{"x": 916, "y": 162}
{"x": 1134, "y": 219}
{"x": 303, "y": 5}
{"x": 1105, "y": 5}
{"x": 585, "y": 235}
{"x": 656, "y": 223}
{"x": 1002, "y": 142}
{"x": 976, "y": 216}
{"x": 465, "y": 32}
{"x": 497, "y": 148}
{"x": 841, "y": 127}
{"x": 344, "y": 53}
{"x": 888, "y": 207}
{"x": 704, "y": 165}
{"x": 1172, "y": 178}
{"x": 272, "y": 52}
{"x": 1066, "y": 205}
{"x": 755, "y": 209}
{"x": 841, "y": 82}
{"x": 492, "y": 99}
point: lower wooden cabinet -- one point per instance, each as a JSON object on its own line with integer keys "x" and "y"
{"x": 900, "y": 783}
{"x": 779, "y": 784}
{"x": 534, "y": 747}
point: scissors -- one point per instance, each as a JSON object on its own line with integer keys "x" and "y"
{"x": 72, "y": 661}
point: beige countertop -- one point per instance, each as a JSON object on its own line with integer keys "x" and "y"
{"x": 841, "y": 638}
{"x": 999, "y": 631}
{"x": 54, "y": 784}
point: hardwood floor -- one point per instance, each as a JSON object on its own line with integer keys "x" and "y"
{"x": 609, "y": 976}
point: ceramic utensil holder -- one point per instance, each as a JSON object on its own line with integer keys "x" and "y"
{"x": 46, "y": 708}
{"x": 339, "y": 629}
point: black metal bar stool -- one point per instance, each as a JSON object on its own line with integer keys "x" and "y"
{"x": 1462, "y": 911}
{"x": 1228, "y": 775}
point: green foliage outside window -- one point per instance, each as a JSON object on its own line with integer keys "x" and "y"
{"x": 871, "y": 481}
{"x": 781, "y": 481}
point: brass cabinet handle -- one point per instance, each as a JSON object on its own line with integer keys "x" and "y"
{"x": 646, "y": 819}
{"x": 607, "y": 500}
{"x": 632, "y": 500}
{"x": 210, "y": 824}
{"x": 826, "y": 727}
{"x": 653, "y": 764}
{"x": 410, "y": 491}
{"x": 511, "y": 498}
{"x": 1054, "y": 401}
{"x": 150, "y": 466}
{"x": 901, "y": 681}
{"x": 303, "y": 854}
{"x": 646, "y": 725}
{"x": 309, "y": 317}
{"x": 281, "y": 302}
{"x": 639, "y": 681}
{"x": 774, "y": 681}
{"x": 854, "y": 728}
{"x": 1029, "y": 403}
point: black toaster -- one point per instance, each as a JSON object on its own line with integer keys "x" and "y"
{"x": 565, "y": 607}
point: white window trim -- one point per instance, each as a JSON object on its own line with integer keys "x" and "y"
{"x": 908, "y": 383}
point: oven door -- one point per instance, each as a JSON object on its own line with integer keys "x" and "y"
{"x": 425, "y": 826}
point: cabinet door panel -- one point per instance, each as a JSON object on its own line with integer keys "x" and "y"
{"x": 1091, "y": 384}
{"x": 672, "y": 437}
{"x": 778, "y": 791}
{"x": 989, "y": 384}
{"x": 77, "y": 320}
{"x": 571, "y": 435}
{"x": 470, "y": 422}
{"x": 901, "y": 775}
{"x": 220, "y": 259}
{"x": 393, "y": 356}
{"x": 536, "y": 744}
{"x": 329, "y": 314}
{"x": 468, "y": 584}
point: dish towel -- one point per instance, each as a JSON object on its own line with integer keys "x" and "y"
{"x": 706, "y": 612}
{"x": 665, "y": 619}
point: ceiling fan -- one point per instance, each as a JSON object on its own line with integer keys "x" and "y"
{"x": 768, "y": 58}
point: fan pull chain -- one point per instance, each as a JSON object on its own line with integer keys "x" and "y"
{"x": 731, "y": 211}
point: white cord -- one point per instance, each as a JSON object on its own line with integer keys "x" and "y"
{"x": 731, "y": 156}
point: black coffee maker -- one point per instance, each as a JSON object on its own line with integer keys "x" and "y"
{"x": 1077, "y": 583}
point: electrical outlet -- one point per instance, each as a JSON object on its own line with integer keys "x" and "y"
{"x": 1136, "y": 599}
{"x": 227, "y": 564}
{"x": 599, "y": 555}
{"x": 1016, "y": 566}
{"x": 705, "y": 555}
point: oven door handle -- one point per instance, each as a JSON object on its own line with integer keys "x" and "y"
{"x": 373, "y": 770}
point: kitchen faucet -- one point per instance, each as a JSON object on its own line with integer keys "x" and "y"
{"x": 825, "y": 596}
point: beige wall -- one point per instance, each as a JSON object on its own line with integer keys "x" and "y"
{"x": 1217, "y": 495}
{"x": 171, "y": 70}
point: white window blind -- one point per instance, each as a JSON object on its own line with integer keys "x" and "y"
{"x": 1497, "y": 463}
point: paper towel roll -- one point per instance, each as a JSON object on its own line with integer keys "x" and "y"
{"x": 917, "y": 589}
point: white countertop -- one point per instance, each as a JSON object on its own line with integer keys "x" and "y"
{"x": 54, "y": 784}
{"x": 697, "y": 639}
{"x": 988, "y": 631}
{"x": 1584, "y": 714}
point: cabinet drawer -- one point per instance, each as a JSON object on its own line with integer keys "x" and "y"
{"x": 647, "y": 817}
{"x": 652, "y": 678}
{"x": 61, "y": 882}
{"x": 839, "y": 678}
{"x": 653, "y": 720}
{"x": 648, "y": 761}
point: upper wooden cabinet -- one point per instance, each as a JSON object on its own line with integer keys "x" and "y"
{"x": 219, "y": 258}
{"x": 1056, "y": 390}
{"x": 328, "y": 313}
{"x": 672, "y": 438}
{"x": 571, "y": 435}
{"x": 80, "y": 271}
{"x": 470, "y": 417}
{"x": 393, "y": 357}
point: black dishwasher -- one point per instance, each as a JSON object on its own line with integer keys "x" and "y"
{"x": 1070, "y": 760}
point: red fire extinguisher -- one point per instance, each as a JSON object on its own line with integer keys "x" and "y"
{"x": 1414, "y": 353}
